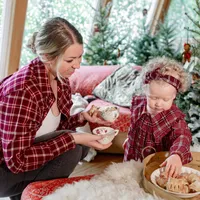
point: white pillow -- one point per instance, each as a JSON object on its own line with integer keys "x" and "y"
{"x": 119, "y": 87}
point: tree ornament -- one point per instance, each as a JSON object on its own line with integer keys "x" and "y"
{"x": 96, "y": 28}
{"x": 144, "y": 12}
{"x": 186, "y": 55}
{"x": 119, "y": 53}
{"x": 105, "y": 62}
{"x": 195, "y": 77}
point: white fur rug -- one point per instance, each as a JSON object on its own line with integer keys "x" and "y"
{"x": 120, "y": 181}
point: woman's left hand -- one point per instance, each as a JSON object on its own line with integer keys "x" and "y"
{"x": 95, "y": 118}
{"x": 172, "y": 165}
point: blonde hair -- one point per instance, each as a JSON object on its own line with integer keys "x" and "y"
{"x": 167, "y": 67}
{"x": 55, "y": 36}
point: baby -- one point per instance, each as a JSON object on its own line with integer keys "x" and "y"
{"x": 157, "y": 124}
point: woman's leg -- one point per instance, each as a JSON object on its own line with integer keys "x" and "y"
{"x": 12, "y": 185}
{"x": 63, "y": 165}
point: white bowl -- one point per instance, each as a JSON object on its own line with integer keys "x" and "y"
{"x": 109, "y": 113}
{"x": 156, "y": 173}
{"x": 108, "y": 132}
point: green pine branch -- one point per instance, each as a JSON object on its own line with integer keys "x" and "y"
{"x": 194, "y": 31}
{"x": 198, "y": 4}
{"x": 197, "y": 11}
{"x": 196, "y": 23}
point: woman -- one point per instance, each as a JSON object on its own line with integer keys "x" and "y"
{"x": 35, "y": 101}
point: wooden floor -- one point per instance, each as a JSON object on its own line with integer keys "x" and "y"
{"x": 96, "y": 166}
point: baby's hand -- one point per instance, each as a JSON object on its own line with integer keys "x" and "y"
{"x": 172, "y": 165}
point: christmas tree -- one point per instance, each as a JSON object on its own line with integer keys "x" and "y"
{"x": 189, "y": 102}
{"x": 166, "y": 36}
{"x": 105, "y": 47}
{"x": 148, "y": 46}
{"x": 139, "y": 50}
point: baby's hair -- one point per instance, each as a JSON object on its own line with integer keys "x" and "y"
{"x": 167, "y": 66}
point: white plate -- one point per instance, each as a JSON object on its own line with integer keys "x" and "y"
{"x": 156, "y": 173}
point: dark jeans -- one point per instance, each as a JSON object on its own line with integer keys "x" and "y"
{"x": 12, "y": 185}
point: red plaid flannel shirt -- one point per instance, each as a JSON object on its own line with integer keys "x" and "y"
{"x": 167, "y": 131}
{"x": 25, "y": 99}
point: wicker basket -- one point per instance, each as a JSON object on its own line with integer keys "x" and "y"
{"x": 152, "y": 163}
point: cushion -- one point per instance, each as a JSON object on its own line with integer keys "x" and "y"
{"x": 122, "y": 123}
{"x": 86, "y": 78}
{"x": 119, "y": 87}
{"x": 38, "y": 190}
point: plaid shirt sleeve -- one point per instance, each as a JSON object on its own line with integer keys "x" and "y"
{"x": 136, "y": 109}
{"x": 72, "y": 122}
{"x": 18, "y": 128}
{"x": 182, "y": 138}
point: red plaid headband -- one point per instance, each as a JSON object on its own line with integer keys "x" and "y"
{"x": 156, "y": 75}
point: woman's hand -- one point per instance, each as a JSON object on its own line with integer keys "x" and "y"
{"x": 95, "y": 118}
{"x": 172, "y": 165}
{"x": 90, "y": 140}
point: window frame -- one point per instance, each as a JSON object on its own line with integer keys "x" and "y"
{"x": 157, "y": 14}
{"x": 13, "y": 20}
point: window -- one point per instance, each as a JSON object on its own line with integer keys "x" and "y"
{"x": 128, "y": 15}
{"x": 129, "y": 21}
{"x": 38, "y": 11}
{"x": 176, "y": 13}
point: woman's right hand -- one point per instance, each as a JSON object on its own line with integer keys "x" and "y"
{"x": 90, "y": 140}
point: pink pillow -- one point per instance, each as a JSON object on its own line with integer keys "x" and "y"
{"x": 85, "y": 79}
